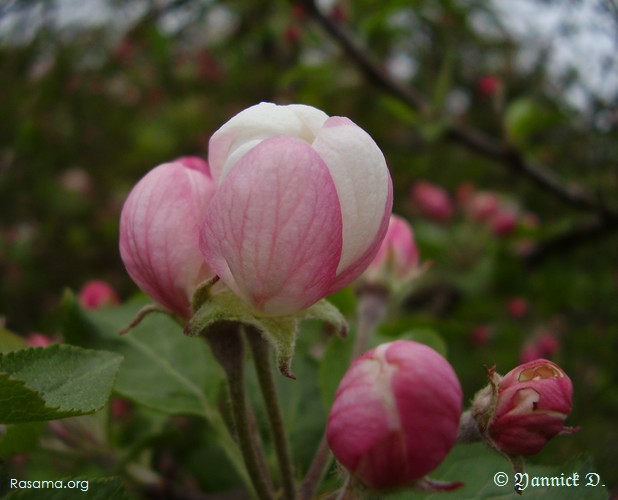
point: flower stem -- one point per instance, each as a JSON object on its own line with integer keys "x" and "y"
{"x": 261, "y": 357}
{"x": 227, "y": 346}
{"x": 372, "y": 304}
{"x": 371, "y": 310}
{"x": 320, "y": 463}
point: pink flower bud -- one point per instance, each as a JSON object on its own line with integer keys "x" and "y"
{"x": 480, "y": 335}
{"x": 395, "y": 414}
{"x": 483, "y": 206}
{"x": 159, "y": 232}
{"x": 534, "y": 400}
{"x": 95, "y": 294}
{"x": 489, "y": 85}
{"x": 517, "y": 307}
{"x": 38, "y": 340}
{"x": 397, "y": 259}
{"x": 504, "y": 222}
{"x": 431, "y": 201}
{"x": 301, "y": 209}
{"x": 544, "y": 345}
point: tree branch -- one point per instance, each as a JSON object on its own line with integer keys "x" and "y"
{"x": 475, "y": 140}
{"x": 571, "y": 239}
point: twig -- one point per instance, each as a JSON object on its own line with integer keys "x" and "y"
{"x": 571, "y": 239}
{"x": 475, "y": 140}
{"x": 319, "y": 465}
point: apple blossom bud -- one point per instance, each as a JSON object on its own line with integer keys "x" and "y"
{"x": 544, "y": 345}
{"x": 302, "y": 205}
{"x": 520, "y": 412}
{"x": 480, "y": 335}
{"x": 397, "y": 259}
{"x": 483, "y": 206}
{"x": 518, "y": 307}
{"x": 395, "y": 415}
{"x": 489, "y": 85}
{"x": 159, "y": 232}
{"x": 35, "y": 339}
{"x": 96, "y": 294}
{"x": 504, "y": 222}
{"x": 431, "y": 201}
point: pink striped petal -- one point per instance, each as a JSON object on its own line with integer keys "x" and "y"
{"x": 159, "y": 234}
{"x": 273, "y": 229}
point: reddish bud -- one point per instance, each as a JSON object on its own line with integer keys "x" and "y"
{"x": 489, "y": 85}
{"x": 504, "y": 222}
{"x": 480, "y": 335}
{"x": 38, "y": 340}
{"x": 517, "y": 307}
{"x": 483, "y": 206}
{"x": 533, "y": 402}
{"x": 95, "y": 294}
{"x": 431, "y": 201}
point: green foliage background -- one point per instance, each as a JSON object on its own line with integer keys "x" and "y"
{"x": 88, "y": 109}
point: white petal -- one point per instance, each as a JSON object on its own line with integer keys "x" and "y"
{"x": 361, "y": 177}
{"x": 251, "y": 126}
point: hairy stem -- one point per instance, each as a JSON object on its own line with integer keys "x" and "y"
{"x": 261, "y": 357}
{"x": 227, "y": 346}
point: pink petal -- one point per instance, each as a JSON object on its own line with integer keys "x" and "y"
{"x": 159, "y": 234}
{"x": 273, "y": 229}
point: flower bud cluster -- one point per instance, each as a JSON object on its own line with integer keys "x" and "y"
{"x": 291, "y": 206}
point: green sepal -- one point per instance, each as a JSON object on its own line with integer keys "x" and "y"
{"x": 329, "y": 314}
{"x": 279, "y": 331}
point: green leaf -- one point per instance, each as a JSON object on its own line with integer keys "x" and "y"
{"x": 329, "y": 314}
{"x": 333, "y": 366}
{"x": 525, "y": 117}
{"x": 93, "y": 489}
{"x": 476, "y": 466}
{"x": 19, "y": 438}
{"x": 163, "y": 369}
{"x": 10, "y": 342}
{"x": 54, "y": 382}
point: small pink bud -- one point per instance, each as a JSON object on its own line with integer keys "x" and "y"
{"x": 517, "y": 307}
{"x": 545, "y": 345}
{"x": 302, "y": 205}
{"x": 504, "y": 222}
{"x": 483, "y": 206}
{"x": 464, "y": 193}
{"x": 431, "y": 201}
{"x": 397, "y": 259}
{"x": 121, "y": 408}
{"x": 489, "y": 85}
{"x": 292, "y": 34}
{"x": 480, "y": 335}
{"x": 38, "y": 340}
{"x": 95, "y": 294}
{"x": 533, "y": 402}
{"x": 395, "y": 415}
{"x": 159, "y": 232}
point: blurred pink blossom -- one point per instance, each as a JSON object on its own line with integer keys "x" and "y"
{"x": 397, "y": 260}
{"x": 96, "y": 293}
{"x": 431, "y": 201}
